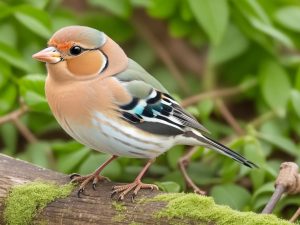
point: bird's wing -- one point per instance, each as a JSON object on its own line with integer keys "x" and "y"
{"x": 152, "y": 109}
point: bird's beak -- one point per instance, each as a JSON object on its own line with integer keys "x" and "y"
{"x": 49, "y": 55}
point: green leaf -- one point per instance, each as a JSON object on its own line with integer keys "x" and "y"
{"x": 185, "y": 11}
{"x": 5, "y": 73}
{"x": 176, "y": 177}
{"x": 162, "y": 8}
{"x": 288, "y": 201}
{"x": 12, "y": 56}
{"x": 61, "y": 147}
{"x": 230, "y": 194}
{"x": 38, "y": 153}
{"x": 179, "y": 27}
{"x": 10, "y": 37}
{"x": 140, "y": 3}
{"x": 41, "y": 4}
{"x": 284, "y": 143}
{"x": 5, "y": 10}
{"x": 32, "y": 88}
{"x": 257, "y": 17}
{"x": 168, "y": 186}
{"x": 36, "y": 102}
{"x": 9, "y": 135}
{"x": 213, "y": 16}
{"x": 158, "y": 170}
{"x": 295, "y": 97}
{"x": 289, "y": 17}
{"x": 173, "y": 156}
{"x": 112, "y": 170}
{"x": 8, "y": 97}
{"x": 267, "y": 188}
{"x": 120, "y": 8}
{"x": 273, "y": 32}
{"x": 67, "y": 163}
{"x": 205, "y": 108}
{"x": 253, "y": 151}
{"x": 203, "y": 173}
{"x": 297, "y": 81}
{"x": 34, "y": 19}
{"x": 275, "y": 86}
{"x": 233, "y": 44}
{"x": 250, "y": 8}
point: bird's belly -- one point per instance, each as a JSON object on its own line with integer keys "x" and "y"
{"x": 108, "y": 136}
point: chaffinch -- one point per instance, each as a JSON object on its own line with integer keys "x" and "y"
{"x": 108, "y": 102}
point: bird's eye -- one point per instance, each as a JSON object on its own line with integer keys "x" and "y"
{"x": 75, "y": 50}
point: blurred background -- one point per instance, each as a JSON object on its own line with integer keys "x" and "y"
{"x": 233, "y": 64}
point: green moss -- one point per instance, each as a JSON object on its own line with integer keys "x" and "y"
{"x": 27, "y": 200}
{"x": 204, "y": 209}
{"x": 119, "y": 206}
{"x": 135, "y": 223}
{"x": 118, "y": 218}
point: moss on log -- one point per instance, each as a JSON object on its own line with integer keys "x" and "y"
{"x": 23, "y": 200}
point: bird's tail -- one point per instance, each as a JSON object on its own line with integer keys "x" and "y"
{"x": 210, "y": 143}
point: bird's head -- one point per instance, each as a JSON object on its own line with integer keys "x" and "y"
{"x": 83, "y": 53}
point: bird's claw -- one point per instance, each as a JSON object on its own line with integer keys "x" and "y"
{"x": 136, "y": 186}
{"x": 199, "y": 191}
{"x": 84, "y": 180}
{"x": 80, "y": 191}
{"x": 74, "y": 175}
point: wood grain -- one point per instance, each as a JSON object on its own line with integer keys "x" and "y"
{"x": 95, "y": 207}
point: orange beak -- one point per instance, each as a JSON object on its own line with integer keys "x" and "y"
{"x": 48, "y": 55}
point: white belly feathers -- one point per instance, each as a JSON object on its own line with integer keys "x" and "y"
{"x": 106, "y": 135}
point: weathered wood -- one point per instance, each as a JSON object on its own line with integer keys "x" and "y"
{"x": 95, "y": 207}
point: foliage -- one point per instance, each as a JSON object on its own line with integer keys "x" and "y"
{"x": 241, "y": 42}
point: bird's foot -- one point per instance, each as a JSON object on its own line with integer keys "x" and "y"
{"x": 136, "y": 186}
{"x": 84, "y": 180}
{"x": 199, "y": 191}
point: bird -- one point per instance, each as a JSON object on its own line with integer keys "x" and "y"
{"x": 109, "y": 103}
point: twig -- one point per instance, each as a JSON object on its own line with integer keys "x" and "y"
{"x": 295, "y": 216}
{"x": 162, "y": 53}
{"x": 25, "y": 131}
{"x": 183, "y": 163}
{"x": 279, "y": 190}
{"x": 288, "y": 181}
{"x": 263, "y": 118}
{"x": 229, "y": 117}
{"x": 13, "y": 115}
{"x": 209, "y": 95}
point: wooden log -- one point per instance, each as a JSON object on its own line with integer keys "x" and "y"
{"x": 97, "y": 207}
{"x": 94, "y": 207}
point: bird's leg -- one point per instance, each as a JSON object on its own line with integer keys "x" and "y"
{"x": 135, "y": 186}
{"x": 94, "y": 177}
{"x": 183, "y": 163}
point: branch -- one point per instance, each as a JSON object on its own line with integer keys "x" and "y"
{"x": 96, "y": 207}
{"x": 15, "y": 118}
{"x": 221, "y": 93}
{"x": 184, "y": 54}
{"x": 288, "y": 181}
{"x": 13, "y": 115}
{"x": 162, "y": 52}
{"x": 295, "y": 216}
{"x": 229, "y": 117}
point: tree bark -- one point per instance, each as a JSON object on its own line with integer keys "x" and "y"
{"x": 94, "y": 207}
{"x": 97, "y": 207}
